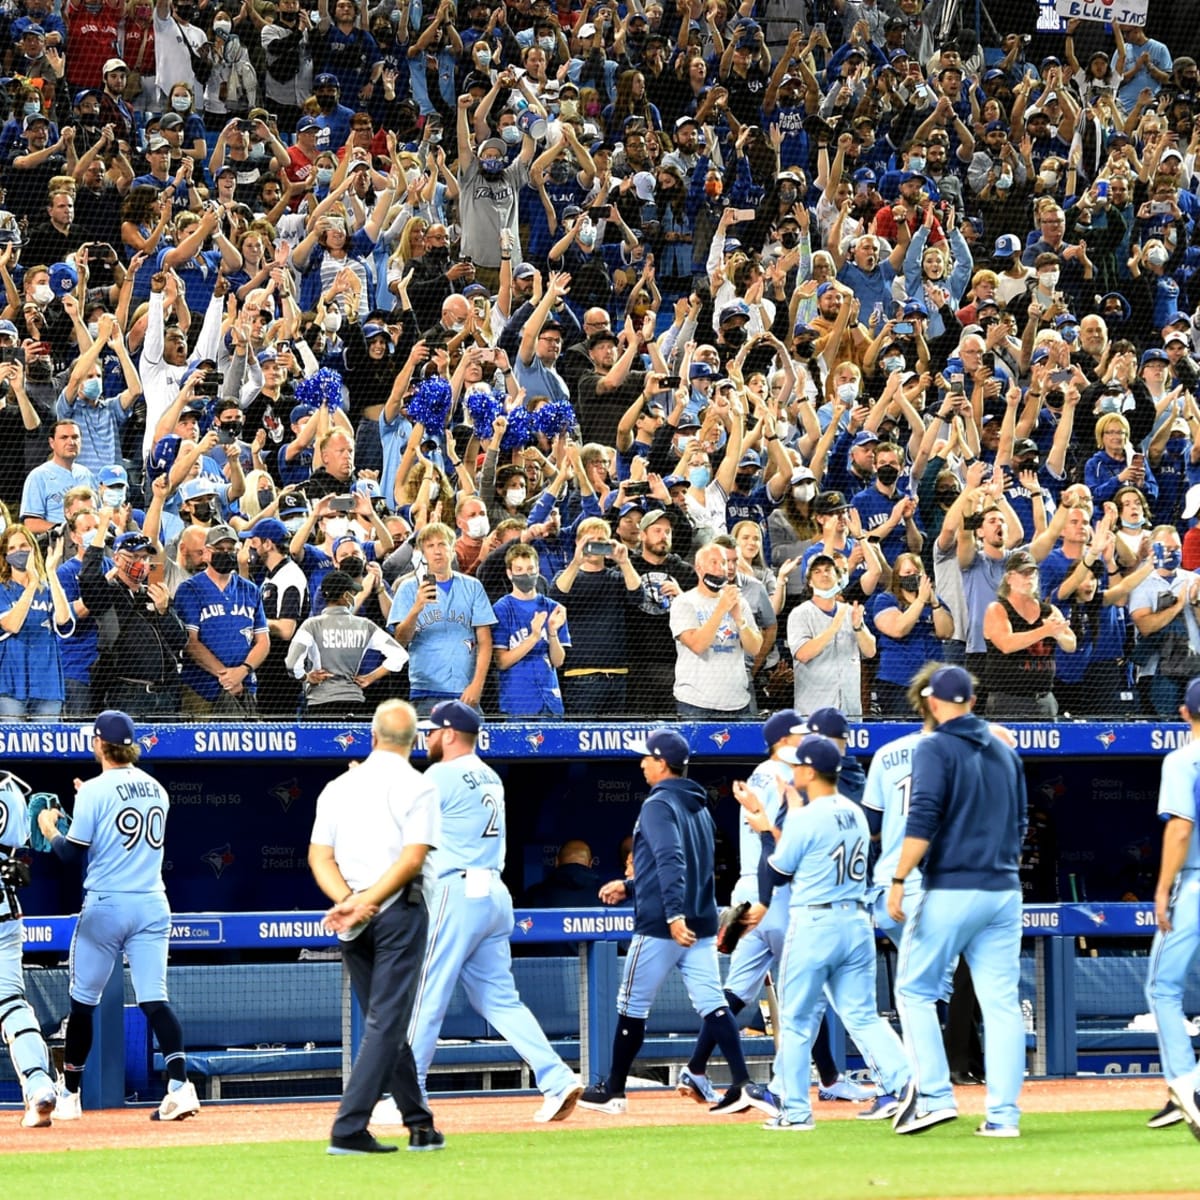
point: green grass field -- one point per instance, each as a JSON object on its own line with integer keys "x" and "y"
{"x": 1109, "y": 1153}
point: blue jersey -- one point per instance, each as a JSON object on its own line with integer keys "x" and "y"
{"x": 824, "y": 850}
{"x": 1177, "y": 794}
{"x": 767, "y": 783}
{"x": 889, "y": 785}
{"x": 80, "y": 651}
{"x": 443, "y": 644}
{"x": 472, "y": 805}
{"x": 226, "y": 622}
{"x": 121, "y": 816}
{"x": 31, "y": 659}
{"x": 529, "y": 686}
{"x": 14, "y": 817}
{"x": 875, "y": 509}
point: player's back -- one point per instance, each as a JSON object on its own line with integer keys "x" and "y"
{"x": 767, "y": 783}
{"x": 831, "y": 837}
{"x": 1179, "y": 794}
{"x": 473, "y": 821}
{"x": 889, "y": 786}
{"x": 121, "y": 815}
{"x": 14, "y": 816}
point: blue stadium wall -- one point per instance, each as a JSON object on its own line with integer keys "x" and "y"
{"x": 243, "y": 799}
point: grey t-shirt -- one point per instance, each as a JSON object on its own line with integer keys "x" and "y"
{"x": 336, "y": 642}
{"x": 833, "y": 678}
{"x": 716, "y": 679}
{"x": 487, "y": 204}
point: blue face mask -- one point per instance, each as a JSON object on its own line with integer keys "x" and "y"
{"x": 829, "y": 592}
{"x": 1167, "y": 560}
{"x": 324, "y": 176}
{"x": 492, "y": 166}
{"x": 699, "y": 477}
{"x": 1131, "y": 524}
{"x": 511, "y": 135}
{"x": 32, "y": 108}
{"x": 92, "y": 387}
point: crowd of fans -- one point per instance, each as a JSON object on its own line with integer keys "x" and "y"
{"x": 691, "y": 359}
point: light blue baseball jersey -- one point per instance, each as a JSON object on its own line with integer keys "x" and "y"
{"x": 472, "y": 803}
{"x": 14, "y": 815}
{"x": 767, "y": 783}
{"x": 824, "y": 850}
{"x": 121, "y": 816}
{"x": 442, "y": 649}
{"x": 1177, "y": 794}
{"x": 889, "y": 783}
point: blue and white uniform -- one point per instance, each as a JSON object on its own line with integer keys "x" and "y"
{"x": 968, "y": 801}
{"x": 226, "y": 620}
{"x": 1172, "y": 954}
{"x": 471, "y": 924}
{"x": 889, "y": 788}
{"x": 19, "y": 1028}
{"x": 767, "y": 782}
{"x": 830, "y": 947}
{"x": 529, "y": 688}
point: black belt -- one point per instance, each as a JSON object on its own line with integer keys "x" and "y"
{"x": 840, "y": 904}
{"x": 146, "y": 685}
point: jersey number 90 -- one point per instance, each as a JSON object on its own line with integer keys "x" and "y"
{"x": 134, "y": 826}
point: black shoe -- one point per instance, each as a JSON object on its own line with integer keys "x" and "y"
{"x": 1169, "y": 1114}
{"x": 359, "y": 1143}
{"x": 425, "y": 1138}
{"x": 965, "y": 1079}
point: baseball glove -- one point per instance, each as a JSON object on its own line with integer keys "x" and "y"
{"x": 37, "y": 802}
{"x": 731, "y": 926}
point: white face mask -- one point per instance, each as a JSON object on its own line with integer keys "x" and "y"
{"x": 1049, "y": 178}
{"x": 42, "y": 294}
{"x": 93, "y": 328}
{"x": 803, "y": 492}
{"x": 1157, "y": 256}
{"x": 478, "y": 526}
{"x": 221, "y": 28}
{"x": 515, "y": 496}
{"x": 847, "y": 392}
{"x": 333, "y": 322}
{"x": 337, "y": 527}
{"x": 1048, "y": 280}
{"x": 112, "y": 497}
{"x": 435, "y": 490}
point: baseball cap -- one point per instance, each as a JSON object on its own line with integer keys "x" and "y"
{"x": 114, "y": 727}
{"x": 909, "y": 176}
{"x": 865, "y": 437}
{"x": 630, "y": 506}
{"x": 525, "y": 271}
{"x": 336, "y": 584}
{"x": 339, "y": 542}
{"x": 779, "y": 725}
{"x": 1154, "y": 355}
{"x": 134, "y": 541}
{"x": 63, "y": 279}
{"x": 679, "y": 124}
{"x": 452, "y": 714}
{"x": 643, "y": 184}
{"x": 1007, "y": 244}
{"x": 113, "y": 64}
{"x": 674, "y": 481}
{"x": 112, "y": 475}
{"x": 220, "y": 533}
{"x": 368, "y": 487}
{"x": 915, "y": 308}
{"x": 307, "y": 123}
{"x": 1191, "y": 502}
{"x": 822, "y": 288}
{"x": 1025, "y": 448}
{"x": 32, "y": 120}
{"x": 828, "y": 722}
{"x": 1191, "y": 698}
{"x": 750, "y": 459}
{"x": 800, "y": 475}
{"x": 1065, "y": 319}
{"x": 996, "y": 127}
{"x": 814, "y": 751}
{"x": 864, "y": 175}
{"x": 326, "y": 80}
{"x": 469, "y": 293}
{"x": 1175, "y": 337}
{"x": 292, "y": 504}
{"x": 994, "y": 73}
{"x": 586, "y": 31}
{"x": 300, "y": 412}
{"x": 157, "y": 143}
{"x": 36, "y": 30}
{"x": 269, "y": 528}
{"x": 664, "y": 744}
{"x": 371, "y": 330}
{"x": 951, "y": 684}
{"x": 197, "y": 487}
{"x": 270, "y": 354}
{"x": 171, "y": 120}
{"x": 830, "y": 502}
{"x": 227, "y": 169}
{"x": 1040, "y": 355}
{"x": 700, "y": 370}
{"x": 1172, "y": 318}
{"x": 656, "y": 514}
{"x": 8, "y": 329}
{"x": 739, "y": 308}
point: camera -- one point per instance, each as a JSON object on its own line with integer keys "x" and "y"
{"x": 208, "y": 388}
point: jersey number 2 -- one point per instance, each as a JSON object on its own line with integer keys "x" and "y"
{"x": 493, "y": 807}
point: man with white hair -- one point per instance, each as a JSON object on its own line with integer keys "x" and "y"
{"x": 867, "y": 273}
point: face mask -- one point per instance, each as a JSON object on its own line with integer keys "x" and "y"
{"x": 1048, "y": 280}
{"x": 42, "y": 294}
{"x": 93, "y": 329}
{"x": 515, "y": 497}
{"x": 333, "y": 322}
{"x": 714, "y": 583}
{"x": 803, "y": 492}
{"x": 324, "y": 176}
{"x": 184, "y": 12}
{"x": 1049, "y": 178}
{"x": 354, "y": 566}
{"x": 587, "y": 237}
{"x": 713, "y": 188}
{"x": 478, "y": 526}
{"x": 560, "y": 172}
{"x": 265, "y": 497}
{"x": 89, "y": 539}
{"x": 327, "y": 103}
{"x": 1157, "y": 256}
{"x": 221, "y": 28}
{"x": 847, "y": 392}
{"x": 492, "y": 166}
{"x": 699, "y": 477}
{"x": 139, "y": 570}
{"x": 202, "y": 510}
{"x": 18, "y": 559}
{"x": 511, "y": 135}
{"x": 908, "y": 583}
{"x": 916, "y": 162}
{"x": 223, "y": 562}
{"x": 289, "y": 18}
{"x": 547, "y": 44}
{"x": 829, "y": 592}
{"x": 1166, "y": 560}
{"x": 1005, "y": 182}
{"x": 92, "y": 388}
{"x": 181, "y": 103}
{"x": 484, "y": 59}
{"x": 1132, "y": 524}
{"x": 112, "y": 497}
{"x": 736, "y": 336}
{"x": 892, "y": 364}
{"x": 435, "y": 490}
{"x": 32, "y": 108}
{"x": 294, "y": 524}
{"x": 525, "y": 584}
{"x": 887, "y": 474}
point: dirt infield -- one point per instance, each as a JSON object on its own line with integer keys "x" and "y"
{"x": 225, "y": 1124}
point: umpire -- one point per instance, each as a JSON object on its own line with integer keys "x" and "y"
{"x": 141, "y": 635}
{"x": 373, "y": 829}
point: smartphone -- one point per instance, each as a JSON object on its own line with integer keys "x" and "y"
{"x": 1102, "y": 191}
{"x": 12, "y": 354}
{"x": 208, "y": 388}
{"x": 1158, "y": 207}
{"x": 903, "y": 329}
{"x": 224, "y": 437}
{"x": 819, "y": 27}
{"x": 343, "y": 504}
{"x": 637, "y": 488}
{"x": 271, "y": 119}
{"x": 744, "y": 214}
{"x": 245, "y": 127}
{"x": 989, "y": 361}
{"x": 157, "y": 572}
{"x": 1064, "y": 376}
{"x": 600, "y": 549}
{"x": 103, "y": 251}
{"x": 600, "y": 212}
{"x": 672, "y": 381}
{"x": 956, "y": 385}
{"x": 1139, "y": 460}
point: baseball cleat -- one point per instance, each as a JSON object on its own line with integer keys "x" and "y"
{"x": 992, "y": 1130}
{"x": 358, "y": 1143}
{"x": 425, "y": 1138}
{"x": 68, "y": 1106}
{"x": 782, "y": 1124}
{"x": 846, "y": 1089}
{"x": 735, "y": 1100}
{"x": 385, "y": 1112}
{"x": 882, "y": 1109}
{"x": 1182, "y": 1093}
{"x": 177, "y": 1105}
{"x": 599, "y": 1099}
{"x": 761, "y": 1097}
{"x": 909, "y": 1119}
{"x": 40, "y": 1110}
{"x": 1169, "y": 1114}
{"x": 696, "y": 1087}
{"x": 558, "y": 1106}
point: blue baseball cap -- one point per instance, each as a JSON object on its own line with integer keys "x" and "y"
{"x": 700, "y": 370}
{"x": 814, "y": 751}
{"x": 1154, "y": 355}
{"x": 300, "y": 412}
{"x": 63, "y": 279}
{"x": 664, "y": 744}
{"x": 8, "y": 329}
{"x": 822, "y": 288}
{"x": 307, "y": 123}
{"x": 326, "y": 80}
{"x": 1007, "y": 244}
{"x": 339, "y": 542}
{"x": 368, "y": 487}
{"x": 673, "y": 481}
{"x": 1191, "y": 698}
{"x": 452, "y": 714}
{"x": 739, "y": 308}
{"x": 197, "y": 487}
{"x": 269, "y": 528}
{"x": 994, "y": 73}
{"x": 915, "y": 308}
{"x": 114, "y": 727}
{"x": 864, "y": 175}
{"x": 1065, "y": 319}
{"x": 951, "y": 684}
{"x": 1039, "y": 356}
{"x": 780, "y": 725}
{"x": 864, "y": 437}
{"x": 112, "y": 476}
{"x": 750, "y": 459}
{"x": 133, "y": 541}
{"x": 829, "y": 722}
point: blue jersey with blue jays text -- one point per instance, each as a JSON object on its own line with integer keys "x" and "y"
{"x": 530, "y": 685}
{"x": 472, "y": 804}
{"x": 1178, "y": 793}
{"x": 121, "y": 816}
{"x": 824, "y": 850}
{"x": 226, "y": 622}
{"x": 443, "y": 644}
{"x": 889, "y": 785}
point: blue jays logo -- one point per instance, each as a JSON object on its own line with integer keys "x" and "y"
{"x": 720, "y": 739}
{"x": 535, "y": 740}
{"x": 219, "y": 857}
{"x": 526, "y": 925}
{"x": 1095, "y": 915}
{"x": 1051, "y": 789}
{"x": 345, "y": 740}
{"x": 148, "y": 741}
{"x": 287, "y": 793}
{"x": 1106, "y": 739}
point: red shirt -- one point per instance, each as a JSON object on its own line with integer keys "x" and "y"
{"x": 885, "y": 226}
{"x": 299, "y": 168}
{"x": 92, "y": 37}
{"x": 1191, "y": 548}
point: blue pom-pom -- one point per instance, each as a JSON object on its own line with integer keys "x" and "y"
{"x": 323, "y": 388}
{"x": 521, "y": 431}
{"x": 554, "y": 417}
{"x": 483, "y": 408}
{"x": 430, "y": 404}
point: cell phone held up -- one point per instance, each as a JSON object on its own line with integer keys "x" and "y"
{"x": 341, "y": 504}
{"x": 598, "y": 549}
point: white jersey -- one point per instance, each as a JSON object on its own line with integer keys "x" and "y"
{"x": 889, "y": 786}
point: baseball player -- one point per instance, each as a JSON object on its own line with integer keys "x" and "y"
{"x": 471, "y": 913}
{"x": 675, "y": 924}
{"x": 19, "y": 1027}
{"x": 1177, "y": 907}
{"x": 966, "y": 820}
{"x": 120, "y": 824}
{"x": 830, "y": 943}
